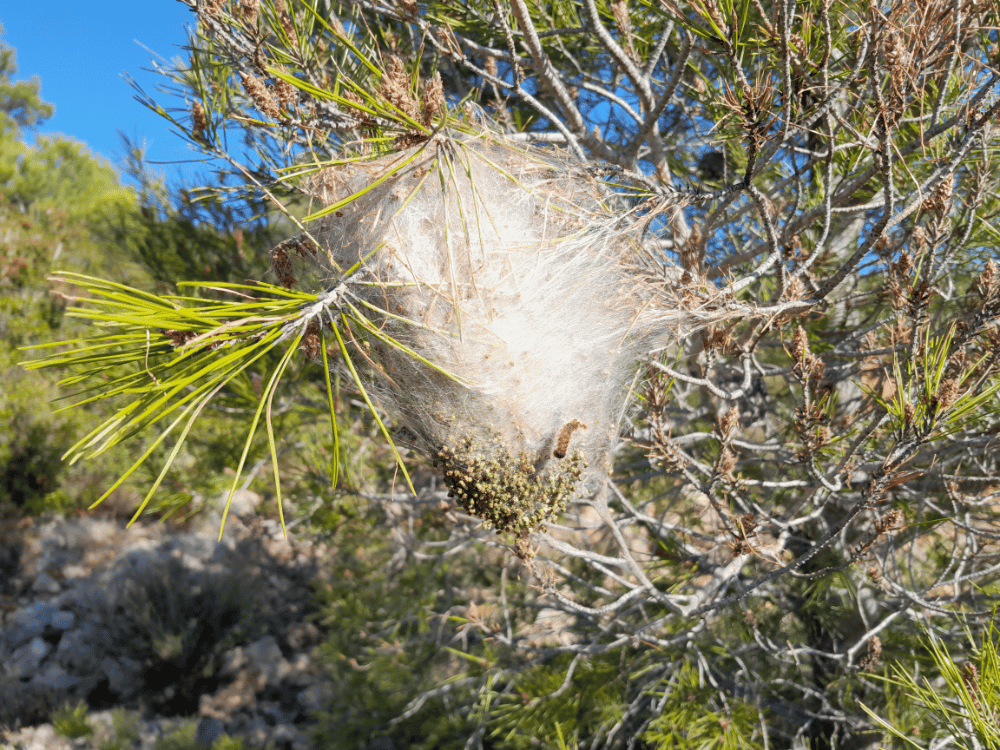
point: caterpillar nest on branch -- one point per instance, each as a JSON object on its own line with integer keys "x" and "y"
{"x": 500, "y": 307}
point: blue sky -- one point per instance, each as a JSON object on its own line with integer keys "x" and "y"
{"x": 80, "y": 50}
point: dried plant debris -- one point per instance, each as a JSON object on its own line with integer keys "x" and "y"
{"x": 501, "y": 306}
{"x": 509, "y": 491}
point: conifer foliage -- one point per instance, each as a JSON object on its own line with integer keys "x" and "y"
{"x": 787, "y": 209}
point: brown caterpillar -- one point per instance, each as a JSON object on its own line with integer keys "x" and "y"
{"x": 565, "y": 433}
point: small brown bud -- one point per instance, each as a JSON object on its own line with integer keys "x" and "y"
{"x": 395, "y": 87}
{"x": 888, "y": 522}
{"x": 748, "y": 523}
{"x": 989, "y": 280}
{"x": 282, "y": 266}
{"x": 250, "y": 9}
{"x": 896, "y": 60}
{"x": 970, "y": 676}
{"x": 794, "y": 289}
{"x": 212, "y": 8}
{"x": 726, "y": 462}
{"x": 800, "y": 344}
{"x": 940, "y": 198}
{"x": 619, "y": 9}
{"x": 198, "y": 121}
{"x": 874, "y": 654}
{"x": 311, "y": 346}
{"x": 818, "y": 369}
{"x": 286, "y": 92}
{"x": 727, "y": 422}
{"x": 356, "y": 110}
{"x": 947, "y": 394}
{"x": 261, "y": 95}
{"x": 434, "y": 100}
{"x": 287, "y": 25}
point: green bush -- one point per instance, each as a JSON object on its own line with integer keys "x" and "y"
{"x": 124, "y": 730}
{"x": 369, "y": 609}
{"x": 955, "y": 701}
{"x": 177, "y": 624}
{"x": 71, "y": 722}
{"x": 183, "y": 738}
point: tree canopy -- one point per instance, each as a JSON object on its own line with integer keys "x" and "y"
{"x": 807, "y": 482}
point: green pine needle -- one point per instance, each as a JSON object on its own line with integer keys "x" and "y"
{"x": 168, "y": 356}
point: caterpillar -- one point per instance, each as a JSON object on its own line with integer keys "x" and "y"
{"x": 565, "y": 433}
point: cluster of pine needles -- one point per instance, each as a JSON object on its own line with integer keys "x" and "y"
{"x": 168, "y": 356}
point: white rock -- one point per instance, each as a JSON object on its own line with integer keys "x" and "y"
{"x": 76, "y": 650}
{"x": 138, "y": 556}
{"x": 190, "y": 562}
{"x": 232, "y": 662}
{"x": 196, "y": 545}
{"x": 266, "y": 656}
{"x": 150, "y": 734}
{"x": 301, "y": 671}
{"x": 256, "y": 734}
{"x": 52, "y": 675}
{"x": 273, "y": 713}
{"x": 210, "y": 523}
{"x": 41, "y": 737}
{"x": 46, "y": 584}
{"x": 63, "y": 620}
{"x": 315, "y": 698}
{"x": 72, "y": 572}
{"x": 244, "y": 503}
{"x": 91, "y": 595}
{"x": 100, "y": 530}
{"x": 24, "y": 662}
{"x": 29, "y": 622}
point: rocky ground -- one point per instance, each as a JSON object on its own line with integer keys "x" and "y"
{"x": 161, "y": 633}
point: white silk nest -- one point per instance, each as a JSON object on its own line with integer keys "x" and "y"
{"x": 507, "y": 308}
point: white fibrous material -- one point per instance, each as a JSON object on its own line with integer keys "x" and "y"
{"x": 506, "y": 309}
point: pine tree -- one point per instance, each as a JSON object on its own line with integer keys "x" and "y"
{"x": 800, "y": 197}
{"x": 52, "y": 194}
